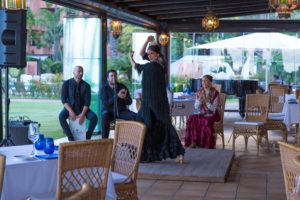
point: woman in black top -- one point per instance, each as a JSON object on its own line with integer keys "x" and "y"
{"x": 161, "y": 140}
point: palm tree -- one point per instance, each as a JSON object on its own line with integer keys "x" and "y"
{"x": 51, "y": 21}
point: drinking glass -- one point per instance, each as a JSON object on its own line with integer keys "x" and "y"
{"x": 40, "y": 142}
{"x": 33, "y": 135}
{"x": 49, "y": 146}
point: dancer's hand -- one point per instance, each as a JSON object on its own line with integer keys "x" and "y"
{"x": 150, "y": 38}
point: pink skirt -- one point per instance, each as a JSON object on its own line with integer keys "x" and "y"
{"x": 200, "y": 131}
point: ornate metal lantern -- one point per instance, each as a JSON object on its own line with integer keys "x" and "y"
{"x": 210, "y": 22}
{"x": 116, "y": 28}
{"x": 163, "y": 39}
{"x": 284, "y": 8}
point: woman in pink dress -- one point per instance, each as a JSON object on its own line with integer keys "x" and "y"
{"x": 200, "y": 127}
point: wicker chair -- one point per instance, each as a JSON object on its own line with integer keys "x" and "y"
{"x": 297, "y": 94}
{"x": 218, "y": 87}
{"x": 218, "y": 126}
{"x": 275, "y": 118}
{"x": 128, "y": 143}
{"x": 277, "y": 94}
{"x": 84, "y": 162}
{"x": 2, "y": 169}
{"x": 255, "y": 117}
{"x": 291, "y": 171}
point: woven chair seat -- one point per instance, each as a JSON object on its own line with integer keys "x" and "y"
{"x": 278, "y": 125}
{"x": 276, "y": 116}
{"x": 120, "y": 178}
{"x": 251, "y": 124}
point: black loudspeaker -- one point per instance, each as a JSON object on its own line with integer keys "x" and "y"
{"x": 13, "y": 38}
{"x": 18, "y": 132}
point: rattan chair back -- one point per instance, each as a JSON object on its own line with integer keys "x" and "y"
{"x": 129, "y": 139}
{"x": 82, "y": 194}
{"x": 222, "y": 102}
{"x": 84, "y": 162}
{"x": 291, "y": 171}
{"x": 272, "y": 84}
{"x": 218, "y": 126}
{"x": 277, "y": 94}
{"x": 128, "y": 143}
{"x": 218, "y": 87}
{"x": 257, "y": 106}
{"x": 2, "y": 169}
{"x": 297, "y": 94}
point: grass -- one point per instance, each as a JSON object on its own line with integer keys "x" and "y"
{"x": 44, "y": 112}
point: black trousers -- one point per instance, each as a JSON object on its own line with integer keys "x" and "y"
{"x": 108, "y": 117}
{"x": 90, "y": 115}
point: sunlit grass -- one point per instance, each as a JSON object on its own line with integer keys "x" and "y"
{"x": 44, "y": 112}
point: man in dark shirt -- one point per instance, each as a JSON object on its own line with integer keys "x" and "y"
{"x": 115, "y": 98}
{"x": 76, "y": 98}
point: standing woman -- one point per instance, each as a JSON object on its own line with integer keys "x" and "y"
{"x": 200, "y": 127}
{"x": 161, "y": 140}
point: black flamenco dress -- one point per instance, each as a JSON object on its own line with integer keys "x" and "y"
{"x": 161, "y": 140}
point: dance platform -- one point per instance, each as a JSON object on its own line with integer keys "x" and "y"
{"x": 203, "y": 165}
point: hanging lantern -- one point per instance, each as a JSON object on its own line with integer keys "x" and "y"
{"x": 116, "y": 28}
{"x": 210, "y": 22}
{"x": 163, "y": 39}
{"x": 284, "y": 8}
{"x": 12, "y": 4}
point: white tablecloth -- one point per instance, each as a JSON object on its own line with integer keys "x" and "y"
{"x": 291, "y": 114}
{"x": 23, "y": 177}
{"x": 183, "y": 107}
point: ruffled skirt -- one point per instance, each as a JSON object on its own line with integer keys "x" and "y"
{"x": 161, "y": 142}
{"x": 200, "y": 131}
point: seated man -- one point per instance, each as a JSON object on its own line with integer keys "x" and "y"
{"x": 76, "y": 98}
{"x": 275, "y": 79}
{"x": 115, "y": 98}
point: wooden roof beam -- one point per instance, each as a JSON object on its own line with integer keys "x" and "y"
{"x": 204, "y": 9}
{"x": 186, "y": 4}
{"x": 112, "y": 12}
{"x": 161, "y": 2}
{"x": 239, "y": 26}
{"x": 220, "y": 14}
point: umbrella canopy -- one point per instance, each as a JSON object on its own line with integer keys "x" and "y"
{"x": 289, "y": 45}
{"x": 255, "y": 41}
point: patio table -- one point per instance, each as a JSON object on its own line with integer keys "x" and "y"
{"x": 25, "y": 176}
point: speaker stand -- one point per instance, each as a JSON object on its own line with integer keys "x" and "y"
{"x": 7, "y": 141}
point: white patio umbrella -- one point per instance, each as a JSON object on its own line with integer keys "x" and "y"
{"x": 255, "y": 41}
{"x": 289, "y": 45}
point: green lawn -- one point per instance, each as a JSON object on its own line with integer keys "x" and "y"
{"x": 43, "y": 111}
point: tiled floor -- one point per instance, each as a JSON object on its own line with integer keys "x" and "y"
{"x": 252, "y": 176}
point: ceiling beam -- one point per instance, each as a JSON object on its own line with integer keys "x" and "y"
{"x": 216, "y": 9}
{"x": 161, "y": 2}
{"x": 112, "y": 12}
{"x": 150, "y": 3}
{"x": 240, "y": 26}
{"x": 221, "y": 14}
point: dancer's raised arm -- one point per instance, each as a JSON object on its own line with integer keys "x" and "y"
{"x": 130, "y": 56}
{"x": 143, "y": 50}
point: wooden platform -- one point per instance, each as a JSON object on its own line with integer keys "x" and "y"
{"x": 203, "y": 165}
